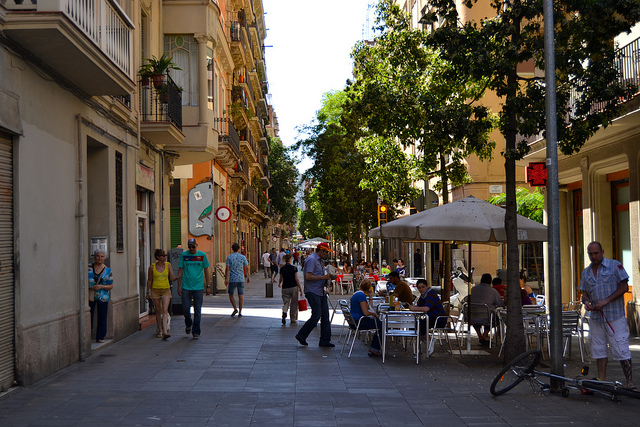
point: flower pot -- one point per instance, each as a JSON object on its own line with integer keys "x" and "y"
{"x": 145, "y": 81}
{"x": 158, "y": 80}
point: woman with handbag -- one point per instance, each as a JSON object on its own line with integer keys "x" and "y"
{"x": 159, "y": 280}
{"x": 290, "y": 284}
{"x": 100, "y": 283}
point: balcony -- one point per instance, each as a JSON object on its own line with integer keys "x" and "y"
{"x": 240, "y": 171}
{"x": 266, "y": 175}
{"x": 229, "y": 143}
{"x": 88, "y": 42}
{"x": 161, "y": 112}
{"x": 628, "y": 58}
{"x": 251, "y": 203}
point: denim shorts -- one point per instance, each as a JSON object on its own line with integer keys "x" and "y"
{"x": 238, "y": 285}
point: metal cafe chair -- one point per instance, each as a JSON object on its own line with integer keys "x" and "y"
{"x": 354, "y": 327}
{"x": 401, "y": 325}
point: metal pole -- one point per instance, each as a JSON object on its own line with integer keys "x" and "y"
{"x": 553, "y": 215}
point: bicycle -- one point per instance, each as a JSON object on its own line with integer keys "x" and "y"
{"x": 523, "y": 368}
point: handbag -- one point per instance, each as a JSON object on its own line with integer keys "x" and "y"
{"x": 302, "y": 304}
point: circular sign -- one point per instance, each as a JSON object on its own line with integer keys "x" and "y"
{"x": 223, "y": 213}
{"x": 275, "y": 239}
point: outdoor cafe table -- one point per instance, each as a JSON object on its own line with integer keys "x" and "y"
{"x": 418, "y": 315}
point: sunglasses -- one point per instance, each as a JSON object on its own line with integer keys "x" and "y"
{"x": 191, "y": 246}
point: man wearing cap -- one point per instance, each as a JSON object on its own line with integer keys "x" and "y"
{"x": 190, "y": 280}
{"x": 314, "y": 279}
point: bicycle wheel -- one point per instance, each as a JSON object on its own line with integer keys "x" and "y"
{"x": 512, "y": 374}
{"x": 610, "y": 388}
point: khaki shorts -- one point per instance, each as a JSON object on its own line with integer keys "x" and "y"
{"x": 600, "y": 334}
{"x": 159, "y": 293}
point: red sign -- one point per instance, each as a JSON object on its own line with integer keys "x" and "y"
{"x": 536, "y": 174}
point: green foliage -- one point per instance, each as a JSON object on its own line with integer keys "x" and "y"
{"x": 284, "y": 179}
{"x": 156, "y": 66}
{"x": 529, "y": 203}
{"x": 337, "y": 200}
{"x": 405, "y": 95}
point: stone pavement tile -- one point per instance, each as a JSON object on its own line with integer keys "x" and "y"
{"x": 186, "y": 421}
{"x": 225, "y": 385}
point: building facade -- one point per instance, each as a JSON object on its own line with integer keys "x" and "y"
{"x": 93, "y": 154}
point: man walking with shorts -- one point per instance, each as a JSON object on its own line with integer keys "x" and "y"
{"x": 604, "y": 283}
{"x": 234, "y": 277}
{"x": 190, "y": 285}
{"x": 314, "y": 277}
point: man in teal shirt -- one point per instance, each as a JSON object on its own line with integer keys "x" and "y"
{"x": 190, "y": 279}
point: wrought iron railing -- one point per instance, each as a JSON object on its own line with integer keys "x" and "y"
{"x": 102, "y": 21}
{"x": 228, "y": 133}
{"x": 250, "y": 195}
{"x": 628, "y": 59}
{"x": 161, "y": 101}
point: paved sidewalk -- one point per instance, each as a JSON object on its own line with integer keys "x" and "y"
{"x": 251, "y": 371}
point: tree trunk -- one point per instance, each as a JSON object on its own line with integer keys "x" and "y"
{"x": 515, "y": 330}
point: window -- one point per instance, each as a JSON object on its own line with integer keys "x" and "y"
{"x": 211, "y": 79}
{"x": 184, "y": 51}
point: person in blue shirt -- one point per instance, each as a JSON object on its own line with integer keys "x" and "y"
{"x": 360, "y": 311}
{"x": 193, "y": 271}
{"x": 314, "y": 280}
{"x": 236, "y": 272}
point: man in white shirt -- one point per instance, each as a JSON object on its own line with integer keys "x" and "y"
{"x": 266, "y": 263}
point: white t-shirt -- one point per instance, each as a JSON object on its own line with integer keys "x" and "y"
{"x": 266, "y": 259}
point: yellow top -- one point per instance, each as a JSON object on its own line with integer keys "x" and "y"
{"x": 160, "y": 280}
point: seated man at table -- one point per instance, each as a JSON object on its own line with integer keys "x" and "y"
{"x": 402, "y": 291}
{"x": 429, "y": 302}
{"x": 483, "y": 294}
{"x": 500, "y": 287}
{"x": 360, "y": 309}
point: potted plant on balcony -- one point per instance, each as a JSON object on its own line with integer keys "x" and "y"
{"x": 158, "y": 67}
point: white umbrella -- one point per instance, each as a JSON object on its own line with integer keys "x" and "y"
{"x": 465, "y": 220}
{"x": 468, "y": 220}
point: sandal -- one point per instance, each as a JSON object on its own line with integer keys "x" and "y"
{"x": 374, "y": 353}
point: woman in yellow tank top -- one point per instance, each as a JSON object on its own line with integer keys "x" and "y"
{"x": 159, "y": 289}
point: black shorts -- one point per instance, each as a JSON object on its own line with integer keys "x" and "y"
{"x": 274, "y": 268}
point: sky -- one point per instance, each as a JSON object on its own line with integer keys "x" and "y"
{"x": 308, "y": 53}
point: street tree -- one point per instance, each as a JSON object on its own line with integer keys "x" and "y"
{"x": 284, "y": 180}
{"x": 405, "y": 95}
{"x": 589, "y": 86}
{"x": 341, "y": 206}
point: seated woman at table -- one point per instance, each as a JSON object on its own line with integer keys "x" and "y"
{"x": 360, "y": 309}
{"x": 429, "y": 302}
{"x": 483, "y": 294}
{"x": 374, "y": 267}
{"x": 333, "y": 268}
{"x": 346, "y": 268}
{"x": 527, "y": 288}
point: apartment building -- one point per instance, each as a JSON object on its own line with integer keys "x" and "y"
{"x": 598, "y": 186}
{"x": 93, "y": 155}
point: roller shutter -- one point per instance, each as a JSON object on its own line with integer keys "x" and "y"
{"x": 7, "y": 345}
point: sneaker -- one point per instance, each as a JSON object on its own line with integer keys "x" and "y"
{"x": 166, "y": 336}
{"x": 187, "y": 330}
{"x": 284, "y": 316}
{"x": 239, "y": 314}
{"x": 234, "y": 313}
{"x": 196, "y": 336}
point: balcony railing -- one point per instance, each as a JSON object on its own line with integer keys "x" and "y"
{"x": 161, "y": 103}
{"x": 628, "y": 59}
{"x": 228, "y": 133}
{"x": 102, "y": 21}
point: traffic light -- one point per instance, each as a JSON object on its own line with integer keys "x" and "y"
{"x": 382, "y": 214}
